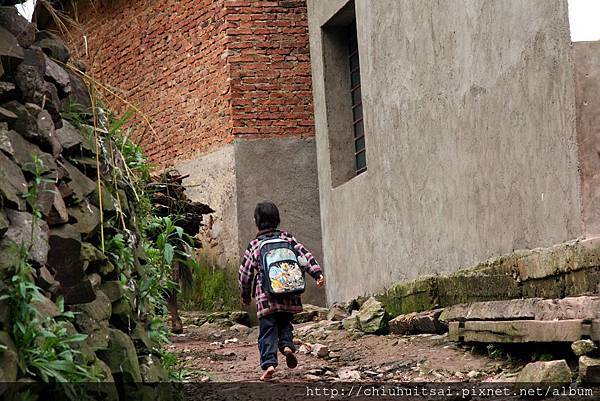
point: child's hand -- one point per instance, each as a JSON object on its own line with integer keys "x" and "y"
{"x": 321, "y": 281}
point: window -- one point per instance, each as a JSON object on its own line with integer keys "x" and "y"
{"x": 343, "y": 98}
{"x": 358, "y": 128}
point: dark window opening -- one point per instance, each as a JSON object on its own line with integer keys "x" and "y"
{"x": 356, "y": 96}
{"x": 343, "y": 96}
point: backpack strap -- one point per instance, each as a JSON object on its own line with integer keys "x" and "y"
{"x": 261, "y": 238}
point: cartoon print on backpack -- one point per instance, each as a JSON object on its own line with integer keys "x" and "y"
{"x": 286, "y": 276}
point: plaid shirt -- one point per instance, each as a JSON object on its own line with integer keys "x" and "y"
{"x": 267, "y": 303}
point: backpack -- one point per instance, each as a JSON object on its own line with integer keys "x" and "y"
{"x": 280, "y": 268}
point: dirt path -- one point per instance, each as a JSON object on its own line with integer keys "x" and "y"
{"x": 217, "y": 353}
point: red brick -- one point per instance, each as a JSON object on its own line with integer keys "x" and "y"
{"x": 203, "y": 71}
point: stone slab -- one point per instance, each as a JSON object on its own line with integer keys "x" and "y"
{"x": 523, "y": 331}
{"x": 584, "y": 307}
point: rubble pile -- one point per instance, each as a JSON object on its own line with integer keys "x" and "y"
{"x": 169, "y": 198}
{"x": 64, "y": 245}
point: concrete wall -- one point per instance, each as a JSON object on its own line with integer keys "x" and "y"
{"x": 470, "y": 138}
{"x": 586, "y": 57}
{"x": 212, "y": 180}
{"x": 284, "y": 171}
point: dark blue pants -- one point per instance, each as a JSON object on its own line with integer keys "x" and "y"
{"x": 275, "y": 332}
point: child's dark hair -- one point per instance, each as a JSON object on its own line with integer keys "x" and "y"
{"x": 266, "y": 216}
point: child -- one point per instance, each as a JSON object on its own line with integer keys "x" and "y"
{"x": 274, "y": 311}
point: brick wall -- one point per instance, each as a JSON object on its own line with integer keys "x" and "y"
{"x": 203, "y": 71}
{"x": 270, "y": 67}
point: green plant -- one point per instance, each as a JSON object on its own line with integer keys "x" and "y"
{"x": 44, "y": 342}
{"x": 213, "y": 287}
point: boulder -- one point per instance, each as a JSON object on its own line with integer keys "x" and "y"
{"x": 337, "y": 312}
{"x": 589, "y": 369}
{"x": 58, "y": 76}
{"x": 23, "y": 152}
{"x": 87, "y": 218}
{"x": 79, "y": 98}
{"x": 351, "y": 322}
{"x": 554, "y": 372}
{"x": 121, "y": 357}
{"x": 52, "y": 103}
{"x": 92, "y": 318}
{"x": 151, "y": 370}
{"x": 64, "y": 255}
{"x": 53, "y": 46}
{"x": 45, "y": 307}
{"x": 372, "y": 317}
{"x": 9, "y": 359}
{"x": 12, "y": 183}
{"x": 29, "y": 77}
{"x": 26, "y": 121}
{"x": 45, "y": 279}
{"x": 91, "y": 256}
{"x": 9, "y": 46}
{"x": 583, "y": 347}
{"x": 22, "y": 30}
{"x": 46, "y": 123}
{"x": 78, "y": 293}
{"x": 52, "y": 205}
{"x": 141, "y": 338}
{"x": 113, "y": 290}
{"x": 122, "y": 312}
{"x": 418, "y": 323}
{"x": 71, "y": 139}
{"x": 81, "y": 185}
{"x": 34, "y": 237}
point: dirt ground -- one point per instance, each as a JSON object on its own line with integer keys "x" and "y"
{"x": 218, "y": 353}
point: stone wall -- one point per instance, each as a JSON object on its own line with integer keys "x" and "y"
{"x": 58, "y": 255}
{"x": 469, "y": 116}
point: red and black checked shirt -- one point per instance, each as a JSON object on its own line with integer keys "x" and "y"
{"x": 267, "y": 303}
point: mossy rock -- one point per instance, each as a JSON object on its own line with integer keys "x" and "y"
{"x": 372, "y": 317}
{"x": 413, "y": 296}
{"x": 113, "y": 290}
{"x": 121, "y": 357}
{"x": 92, "y": 319}
{"x": 141, "y": 338}
{"x": 152, "y": 370}
{"x": 91, "y": 256}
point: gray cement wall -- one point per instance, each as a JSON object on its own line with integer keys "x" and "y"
{"x": 282, "y": 171}
{"x": 470, "y": 138}
{"x": 586, "y": 57}
{"x": 212, "y": 181}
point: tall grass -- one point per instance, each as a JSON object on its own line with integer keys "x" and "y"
{"x": 214, "y": 287}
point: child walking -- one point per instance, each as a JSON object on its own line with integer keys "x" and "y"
{"x": 272, "y": 270}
